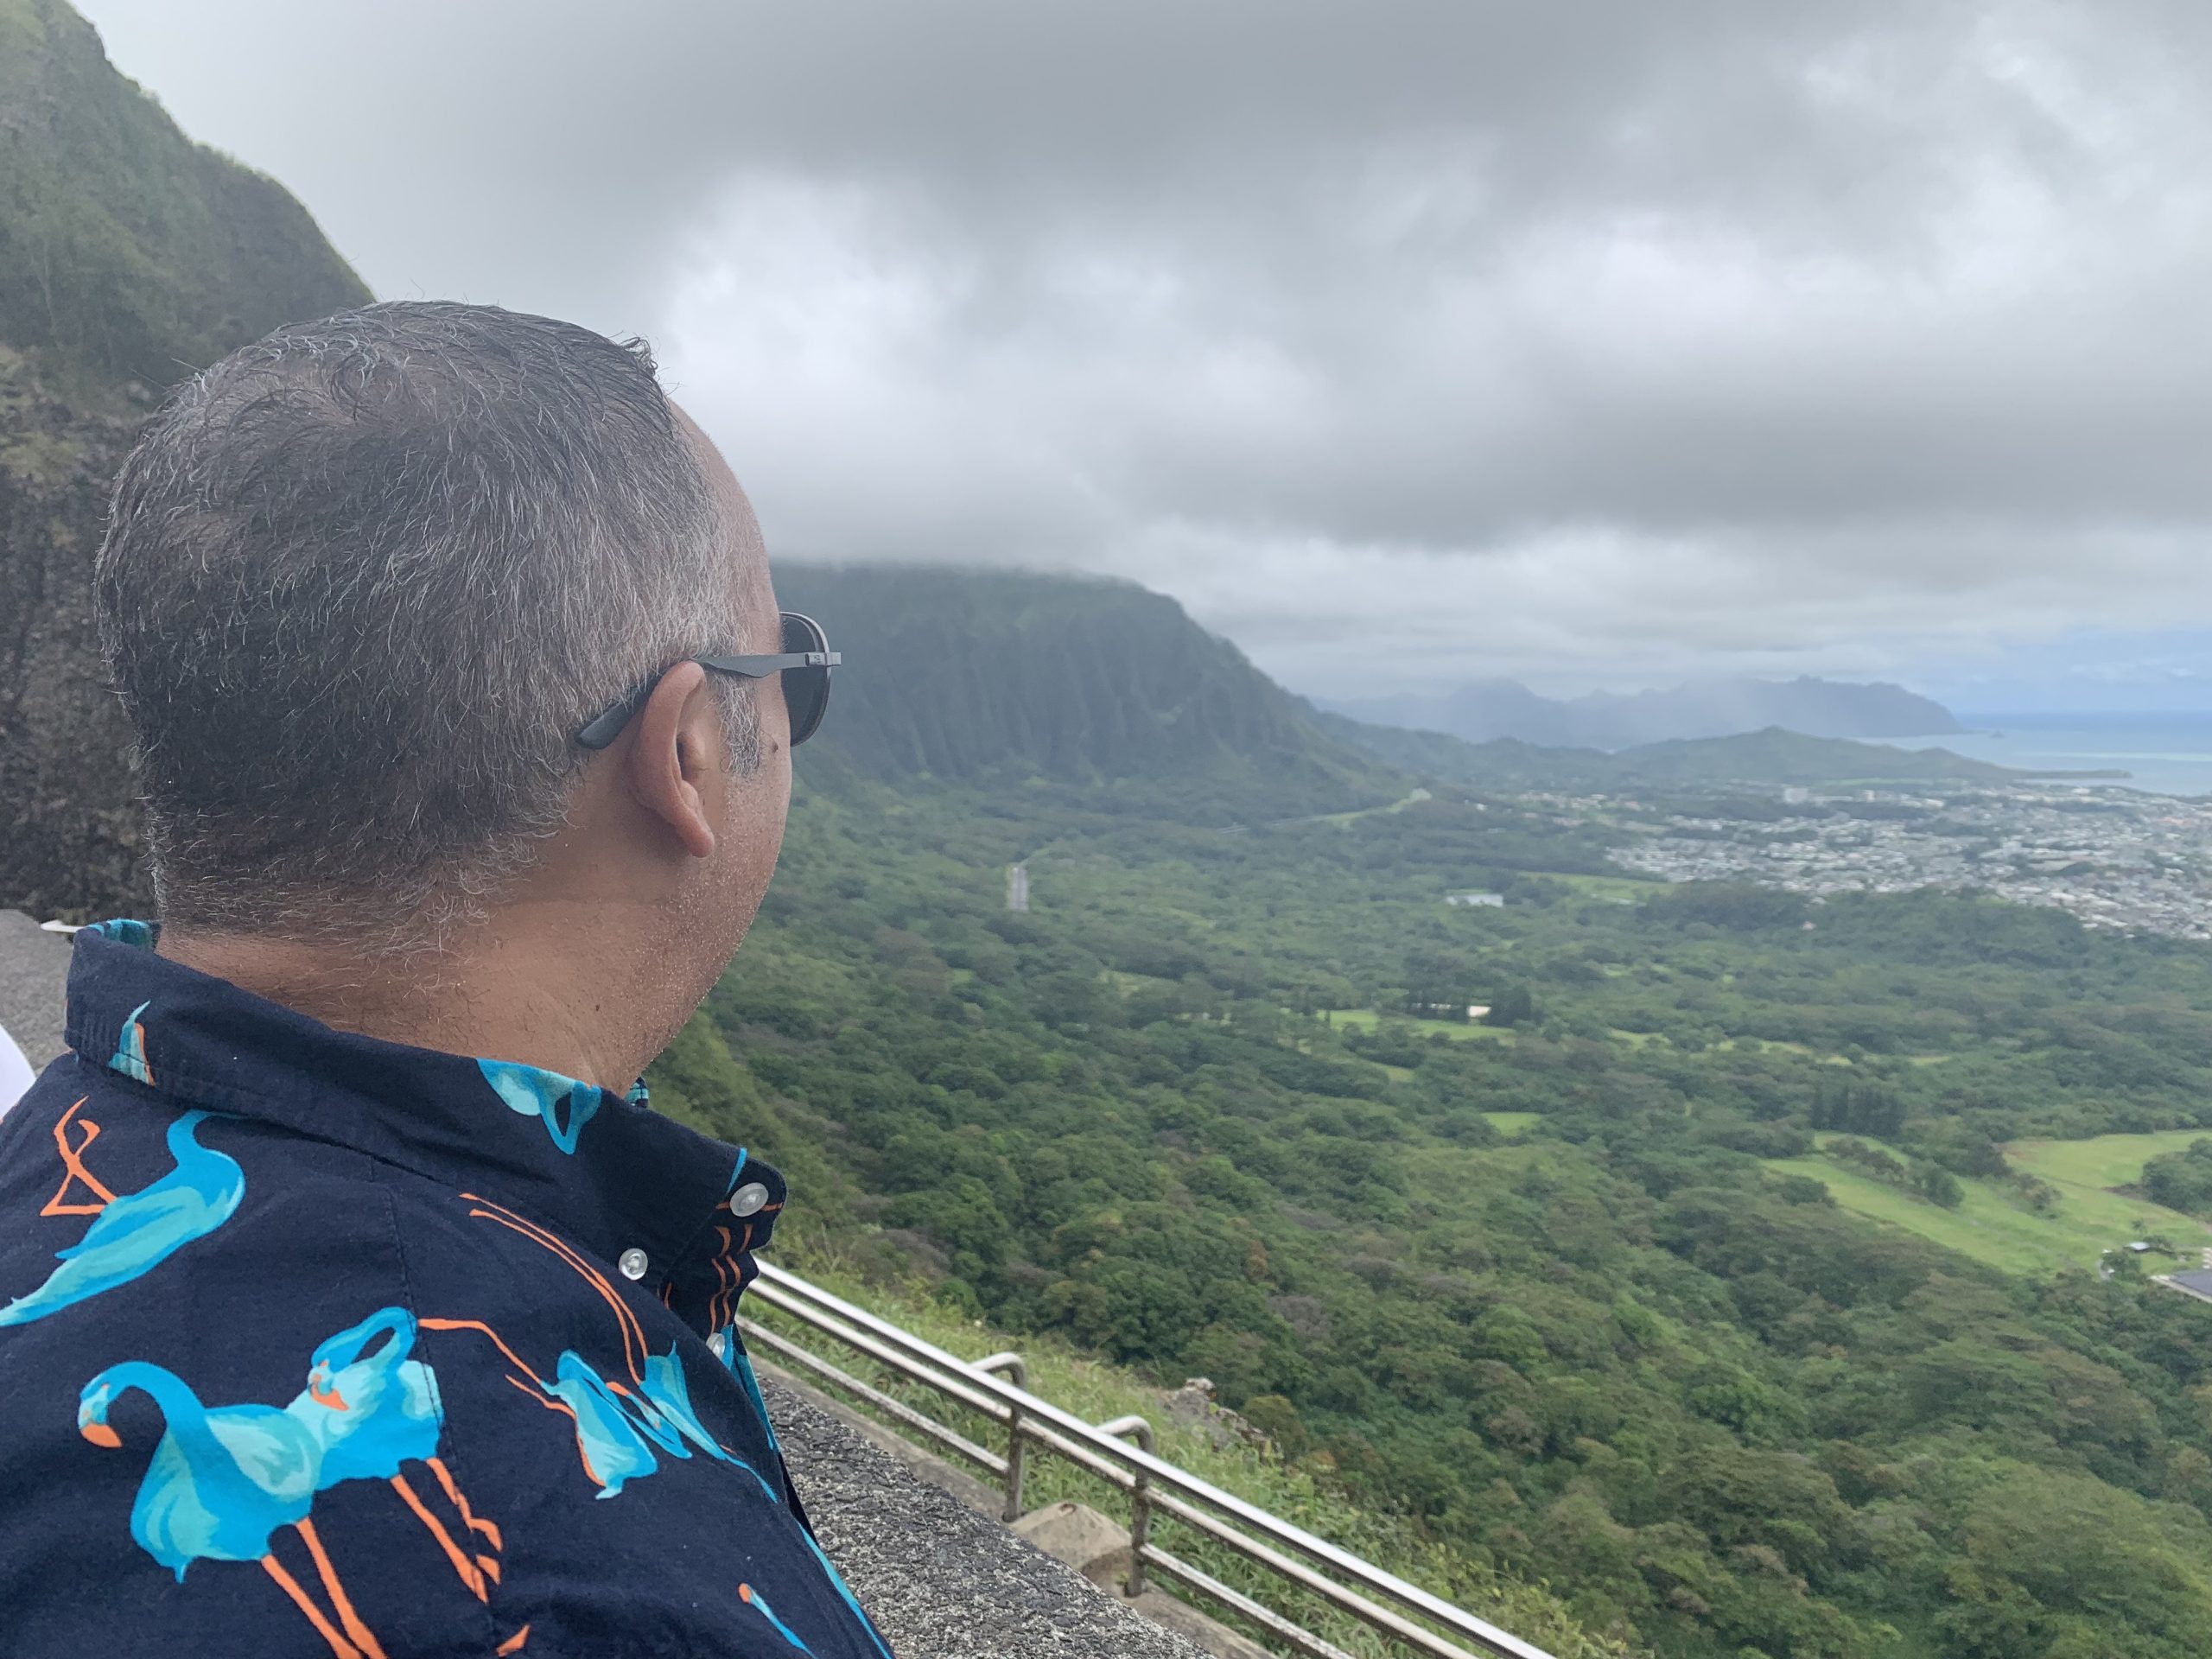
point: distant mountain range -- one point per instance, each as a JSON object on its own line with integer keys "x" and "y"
{"x": 1760, "y": 759}
{"x": 1503, "y": 709}
{"x": 990, "y": 677}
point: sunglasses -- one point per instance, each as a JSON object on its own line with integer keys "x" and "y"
{"x": 804, "y": 663}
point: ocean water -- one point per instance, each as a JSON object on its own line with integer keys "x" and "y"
{"x": 2163, "y": 754}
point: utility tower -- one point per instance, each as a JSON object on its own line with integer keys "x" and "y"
{"x": 1017, "y": 888}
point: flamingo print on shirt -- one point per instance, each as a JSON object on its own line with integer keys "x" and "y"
{"x": 373, "y": 1410}
{"x": 138, "y": 1231}
{"x": 562, "y": 1104}
{"x": 222, "y": 1481}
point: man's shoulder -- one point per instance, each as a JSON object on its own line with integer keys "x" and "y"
{"x": 443, "y": 1387}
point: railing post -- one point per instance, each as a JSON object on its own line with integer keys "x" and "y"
{"x": 1140, "y": 1501}
{"x": 1015, "y": 1458}
{"x": 1139, "y": 1533}
{"x": 1016, "y": 1443}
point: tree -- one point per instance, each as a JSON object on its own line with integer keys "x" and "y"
{"x": 2181, "y": 1180}
{"x": 1938, "y": 1186}
{"x": 1514, "y": 1005}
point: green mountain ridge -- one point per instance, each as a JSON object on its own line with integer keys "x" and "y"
{"x": 128, "y": 251}
{"x": 128, "y": 257}
{"x": 976, "y": 677}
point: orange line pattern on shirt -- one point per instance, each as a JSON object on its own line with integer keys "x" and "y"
{"x": 73, "y": 1166}
{"x": 634, "y": 1351}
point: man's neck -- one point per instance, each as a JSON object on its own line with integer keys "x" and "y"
{"x": 493, "y": 996}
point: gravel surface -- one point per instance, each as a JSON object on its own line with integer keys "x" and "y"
{"x": 941, "y": 1580}
{"x": 34, "y": 968}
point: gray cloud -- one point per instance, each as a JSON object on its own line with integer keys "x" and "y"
{"x": 1594, "y": 342}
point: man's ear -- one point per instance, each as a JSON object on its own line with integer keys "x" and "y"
{"x": 674, "y": 758}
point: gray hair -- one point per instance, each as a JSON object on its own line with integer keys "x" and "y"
{"x": 364, "y": 581}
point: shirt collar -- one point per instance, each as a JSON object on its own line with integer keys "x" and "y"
{"x": 603, "y": 1168}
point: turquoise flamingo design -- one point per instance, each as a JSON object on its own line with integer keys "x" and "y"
{"x": 668, "y": 1395}
{"x": 221, "y": 1483}
{"x": 608, "y": 1440}
{"x": 130, "y": 1057}
{"x": 614, "y": 1450}
{"x": 137, "y": 1232}
{"x": 618, "y": 1427}
{"x": 372, "y": 1408}
{"x": 618, "y": 1424}
{"x": 534, "y": 1092}
{"x": 759, "y": 1604}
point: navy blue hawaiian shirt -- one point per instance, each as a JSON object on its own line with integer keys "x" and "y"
{"x": 312, "y": 1345}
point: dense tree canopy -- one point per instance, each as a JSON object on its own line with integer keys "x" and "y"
{"x": 1534, "y": 1283}
{"x": 2182, "y": 1180}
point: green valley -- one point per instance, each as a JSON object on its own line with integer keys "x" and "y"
{"x": 1581, "y": 1301}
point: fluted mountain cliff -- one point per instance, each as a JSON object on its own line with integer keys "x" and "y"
{"x": 129, "y": 256}
{"x": 977, "y": 675}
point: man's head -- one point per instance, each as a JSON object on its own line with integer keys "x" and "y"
{"x": 366, "y": 578}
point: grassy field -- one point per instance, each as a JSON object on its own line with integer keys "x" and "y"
{"x": 1615, "y": 889}
{"x": 1991, "y": 1228}
{"x": 1456, "y": 1030}
{"x": 2107, "y": 1160}
{"x": 1413, "y": 800}
{"x": 1512, "y": 1123}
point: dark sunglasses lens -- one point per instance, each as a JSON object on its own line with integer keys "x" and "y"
{"x": 806, "y": 690}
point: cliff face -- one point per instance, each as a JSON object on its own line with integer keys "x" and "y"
{"x": 983, "y": 677}
{"x": 129, "y": 256}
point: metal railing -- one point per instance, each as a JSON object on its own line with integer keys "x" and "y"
{"x": 1378, "y": 1599}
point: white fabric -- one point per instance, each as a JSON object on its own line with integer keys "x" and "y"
{"x": 16, "y": 1073}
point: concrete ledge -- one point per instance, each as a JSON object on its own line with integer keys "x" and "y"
{"x": 941, "y": 1472}
{"x": 33, "y": 974}
{"x": 1098, "y": 1548}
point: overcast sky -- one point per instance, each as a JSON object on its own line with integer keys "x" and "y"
{"x": 1408, "y": 343}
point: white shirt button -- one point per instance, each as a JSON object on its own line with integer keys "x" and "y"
{"x": 631, "y": 1262}
{"x": 748, "y": 1199}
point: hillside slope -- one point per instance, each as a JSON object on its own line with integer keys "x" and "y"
{"x": 972, "y": 675}
{"x": 129, "y": 255}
